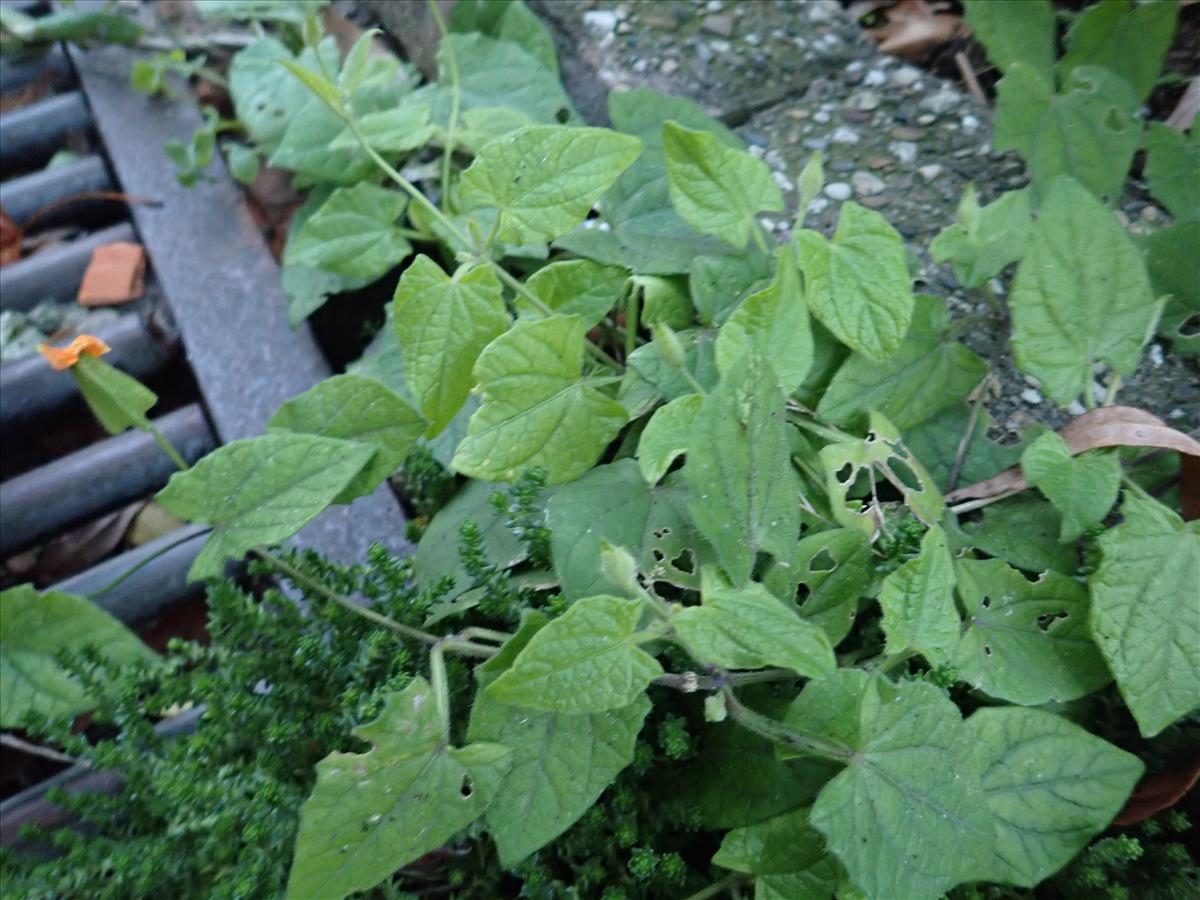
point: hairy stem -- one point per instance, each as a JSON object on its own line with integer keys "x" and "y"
{"x": 776, "y": 731}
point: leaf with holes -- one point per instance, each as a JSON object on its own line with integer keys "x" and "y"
{"x": 34, "y": 628}
{"x": 585, "y": 661}
{"x": 574, "y": 287}
{"x": 1146, "y": 611}
{"x": 744, "y": 491}
{"x": 1050, "y": 787}
{"x": 716, "y": 189}
{"x": 371, "y": 813}
{"x": 354, "y": 408}
{"x": 918, "y": 603}
{"x": 545, "y": 178}
{"x": 442, "y": 324}
{"x": 614, "y": 503}
{"x": 858, "y": 283}
{"x": 1023, "y": 531}
{"x": 834, "y": 568}
{"x": 904, "y": 816}
{"x": 1129, "y": 39}
{"x": 1025, "y": 642}
{"x": 1081, "y": 295}
{"x": 1083, "y": 487}
{"x": 667, "y": 435}
{"x": 260, "y": 491}
{"x": 536, "y": 409}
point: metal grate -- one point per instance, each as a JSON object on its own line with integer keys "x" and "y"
{"x": 214, "y": 321}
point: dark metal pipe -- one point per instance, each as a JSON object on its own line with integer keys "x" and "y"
{"x": 24, "y": 196}
{"x": 30, "y": 135}
{"x": 82, "y": 485}
{"x": 55, "y": 274}
{"x": 16, "y": 73}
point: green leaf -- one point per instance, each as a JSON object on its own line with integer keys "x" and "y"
{"x": 1050, "y": 786}
{"x": 928, "y": 373}
{"x": 1128, "y": 39}
{"x": 1174, "y": 269}
{"x": 1173, "y": 169}
{"x": 1144, "y": 614}
{"x": 935, "y": 443}
{"x": 293, "y": 13}
{"x": 267, "y": 97}
{"x": 354, "y": 233}
{"x": 663, "y": 300}
{"x": 575, "y": 287}
{"x": 648, "y": 369}
{"x": 442, "y": 324}
{"x": 982, "y": 245}
{"x": 1015, "y": 31}
{"x": 858, "y": 283}
{"x": 307, "y": 288}
{"x": 918, "y": 603}
{"x": 834, "y": 566}
{"x": 507, "y": 20}
{"x": 389, "y": 131}
{"x": 322, "y": 87}
{"x": 667, "y": 435}
{"x": 118, "y": 400}
{"x": 371, "y": 813}
{"x": 787, "y": 853}
{"x": 1023, "y": 531}
{"x": 1083, "y": 487}
{"x": 33, "y": 629}
{"x": 585, "y": 661}
{"x": 243, "y": 162}
{"x": 562, "y": 762}
{"x": 744, "y": 492}
{"x": 536, "y": 410}
{"x": 808, "y": 184}
{"x": 613, "y": 503}
{"x": 774, "y": 324}
{"x": 437, "y": 553}
{"x": 260, "y": 491}
{"x": 305, "y": 148}
{"x": 1088, "y": 131}
{"x": 354, "y": 408}
{"x": 1025, "y": 642}
{"x": 716, "y": 189}
{"x": 903, "y": 817}
{"x": 545, "y": 179}
{"x": 1081, "y": 295}
{"x": 749, "y": 628}
{"x": 719, "y": 283}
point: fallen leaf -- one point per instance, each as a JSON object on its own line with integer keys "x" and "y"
{"x": 1184, "y": 114}
{"x": 1158, "y": 792}
{"x": 1109, "y": 426}
{"x": 115, "y": 275}
{"x": 1189, "y": 487}
{"x": 913, "y": 26}
{"x": 10, "y": 239}
{"x": 151, "y": 523}
{"x": 84, "y": 546}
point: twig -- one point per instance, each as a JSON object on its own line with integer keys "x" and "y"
{"x": 964, "y": 443}
{"x": 115, "y": 196}
{"x": 9, "y": 740}
{"x": 969, "y": 79}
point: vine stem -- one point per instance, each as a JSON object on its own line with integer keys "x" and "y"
{"x": 717, "y": 887}
{"x": 9, "y": 740}
{"x": 1113, "y": 386}
{"x": 128, "y": 573}
{"x": 441, "y": 687}
{"x": 455, "y": 100}
{"x": 780, "y": 733}
{"x": 165, "y": 445}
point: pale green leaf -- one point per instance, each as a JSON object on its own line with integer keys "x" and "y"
{"x": 536, "y": 410}
{"x": 719, "y": 283}
{"x": 745, "y": 496}
{"x": 118, "y": 400}
{"x": 389, "y": 131}
{"x": 585, "y": 661}
{"x": 1173, "y": 169}
{"x": 1146, "y": 611}
{"x": 1083, "y": 487}
{"x": 307, "y": 288}
{"x": 575, "y": 287}
{"x": 928, "y": 373}
{"x": 305, "y": 148}
{"x": 613, "y": 503}
{"x": 903, "y": 817}
{"x": 243, "y": 162}
{"x": 354, "y": 233}
{"x": 858, "y": 283}
{"x": 371, "y": 813}
{"x": 354, "y": 408}
{"x": 1050, "y": 787}
{"x": 649, "y": 373}
{"x": 546, "y": 178}
{"x": 1025, "y": 642}
{"x": 266, "y": 96}
{"x": 1015, "y": 31}
{"x": 321, "y": 86}
{"x": 717, "y": 190}
{"x": 918, "y": 602}
{"x": 662, "y": 300}
{"x": 1088, "y": 130}
{"x": 437, "y": 553}
{"x": 1081, "y": 295}
{"x": 34, "y": 628}
{"x": 507, "y": 20}
{"x": 774, "y": 324}
{"x": 1023, "y": 531}
{"x": 982, "y": 248}
{"x": 808, "y": 184}
{"x": 1129, "y": 39}
{"x": 667, "y": 435}
{"x": 749, "y": 628}
{"x": 442, "y": 324}
{"x": 260, "y": 491}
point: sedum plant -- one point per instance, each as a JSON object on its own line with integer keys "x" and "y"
{"x": 737, "y": 507}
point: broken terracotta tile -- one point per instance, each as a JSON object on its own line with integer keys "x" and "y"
{"x": 116, "y": 274}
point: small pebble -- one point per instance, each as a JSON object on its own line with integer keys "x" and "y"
{"x": 821, "y": 117}
{"x": 864, "y": 100}
{"x": 904, "y": 133}
{"x": 1099, "y": 391}
{"x": 721, "y": 46}
{"x": 1151, "y": 213}
{"x": 867, "y": 185}
{"x": 752, "y": 39}
{"x": 1029, "y": 395}
{"x": 926, "y": 119}
{"x": 879, "y": 162}
{"x": 601, "y": 21}
{"x": 1156, "y": 355}
{"x": 669, "y": 66}
{"x": 905, "y": 76}
{"x": 874, "y": 78}
{"x": 1176, "y": 413}
{"x": 838, "y": 190}
{"x": 784, "y": 183}
{"x": 930, "y": 172}
{"x": 818, "y": 205}
{"x": 844, "y": 135}
{"x": 942, "y": 102}
{"x": 876, "y": 202}
{"x": 906, "y": 151}
{"x": 722, "y": 25}
{"x": 970, "y": 123}
{"x": 1076, "y": 408}
{"x": 1031, "y": 381}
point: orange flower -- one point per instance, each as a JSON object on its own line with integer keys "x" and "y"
{"x": 65, "y": 357}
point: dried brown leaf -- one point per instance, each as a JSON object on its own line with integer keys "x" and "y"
{"x": 1158, "y": 792}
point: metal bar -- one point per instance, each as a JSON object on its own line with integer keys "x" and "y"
{"x": 221, "y": 284}
{"x": 147, "y": 593}
{"x": 30, "y": 389}
{"x": 24, "y": 196}
{"x": 17, "y": 73}
{"x": 95, "y": 480}
{"x": 30, "y": 135}
{"x": 55, "y": 274}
